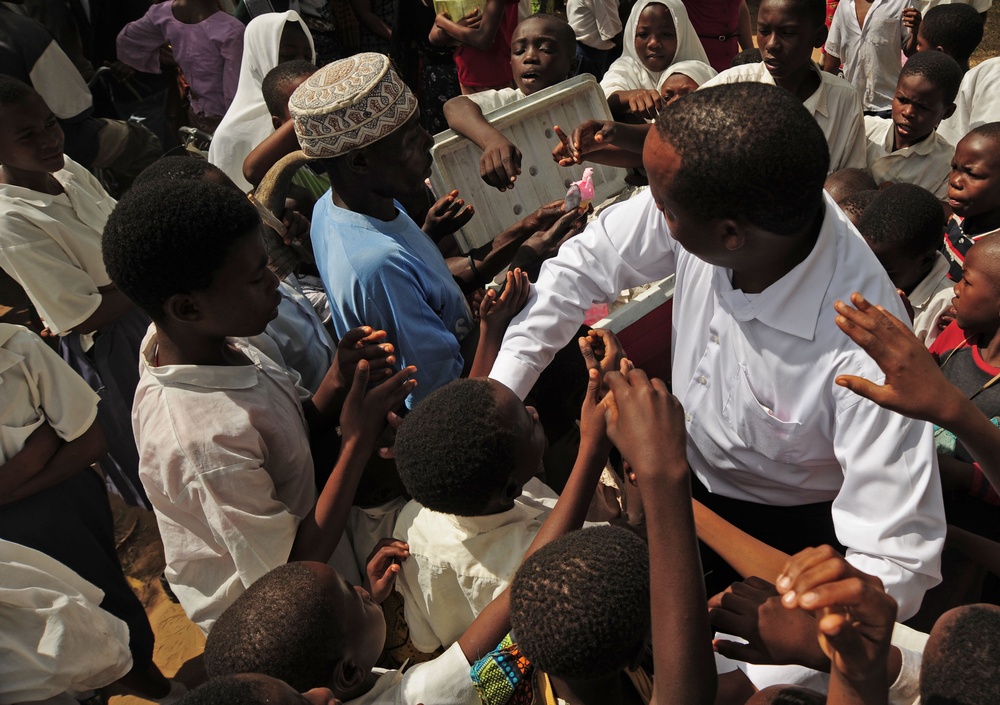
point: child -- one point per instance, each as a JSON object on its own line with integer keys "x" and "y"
{"x": 657, "y": 35}
{"x": 206, "y": 43}
{"x": 595, "y": 24}
{"x": 52, "y": 212}
{"x": 855, "y": 205}
{"x": 483, "y": 42}
{"x": 846, "y": 182}
{"x": 51, "y": 499}
{"x": 787, "y": 33}
{"x": 222, "y": 430}
{"x": 271, "y": 39}
{"x": 977, "y": 102}
{"x": 736, "y": 211}
{"x": 541, "y": 55}
{"x": 907, "y": 149}
{"x": 954, "y": 29}
{"x": 973, "y": 193}
{"x": 868, "y": 38}
{"x": 904, "y": 227}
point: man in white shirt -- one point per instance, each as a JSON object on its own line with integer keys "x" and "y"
{"x": 978, "y": 101}
{"x": 760, "y": 255}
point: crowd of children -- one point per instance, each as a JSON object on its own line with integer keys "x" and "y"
{"x": 389, "y": 466}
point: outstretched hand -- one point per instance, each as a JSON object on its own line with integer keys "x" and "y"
{"x": 588, "y": 137}
{"x": 447, "y": 216}
{"x": 363, "y": 343}
{"x": 383, "y": 566}
{"x": 366, "y": 411}
{"x": 602, "y": 351}
{"x": 497, "y": 310}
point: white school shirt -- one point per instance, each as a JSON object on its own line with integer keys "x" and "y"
{"x": 225, "y": 461}
{"x": 834, "y": 105}
{"x": 765, "y": 421}
{"x": 870, "y": 54}
{"x": 979, "y": 6}
{"x": 594, "y": 22}
{"x": 488, "y": 101}
{"x": 978, "y": 101}
{"x": 458, "y": 565}
{"x": 926, "y": 164}
{"x": 445, "y": 680}
{"x": 930, "y": 298}
{"x": 52, "y": 245}
{"x": 54, "y": 638}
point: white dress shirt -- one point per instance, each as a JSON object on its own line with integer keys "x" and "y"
{"x": 765, "y": 420}
{"x": 834, "y": 105}
{"x": 926, "y": 164}
{"x": 978, "y": 5}
{"x": 491, "y": 100}
{"x": 870, "y": 54}
{"x": 978, "y": 101}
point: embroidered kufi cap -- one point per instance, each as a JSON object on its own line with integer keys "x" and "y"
{"x": 349, "y": 104}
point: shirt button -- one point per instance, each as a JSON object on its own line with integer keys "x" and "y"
{"x": 715, "y": 339}
{"x": 702, "y": 379}
{"x": 687, "y": 417}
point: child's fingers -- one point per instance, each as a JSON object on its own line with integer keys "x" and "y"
{"x": 864, "y": 387}
{"x": 353, "y": 337}
{"x": 808, "y": 569}
{"x": 356, "y": 394}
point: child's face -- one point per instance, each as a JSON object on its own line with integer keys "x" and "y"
{"x": 904, "y": 272}
{"x": 527, "y": 428}
{"x": 294, "y": 45}
{"x": 918, "y": 107}
{"x": 279, "y": 120}
{"x": 655, "y": 37}
{"x": 977, "y": 295}
{"x": 677, "y": 86}
{"x": 360, "y": 617}
{"x": 31, "y": 139}
{"x": 786, "y": 39}
{"x": 922, "y": 43}
{"x": 537, "y": 59}
{"x": 974, "y": 182}
{"x": 399, "y": 163}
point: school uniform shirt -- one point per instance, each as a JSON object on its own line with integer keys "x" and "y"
{"x": 870, "y": 54}
{"x": 37, "y": 387}
{"x": 930, "y": 298}
{"x": 595, "y": 22}
{"x": 979, "y": 6}
{"x": 442, "y": 681}
{"x": 224, "y": 458}
{"x": 957, "y": 244}
{"x": 51, "y": 245}
{"x": 54, "y": 638}
{"x": 926, "y": 164}
{"x": 491, "y": 100}
{"x": 458, "y": 565}
{"x": 391, "y": 276}
{"x": 834, "y": 105}
{"x": 765, "y": 420}
{"x": 978, "y": 101}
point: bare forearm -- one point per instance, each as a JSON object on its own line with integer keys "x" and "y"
{"x": 744, "y": 28}
{"x": 281, "y": 142}
{"x": 747, "y": 556}
{"x": 466, "y": 118}
{"x": 69, "y": 459}
{"x": 831, "y": 64}
{"x": 843, "y": 691}
{"x": 486, "y": 353}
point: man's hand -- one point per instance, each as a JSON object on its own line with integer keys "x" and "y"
{"x": 500, "y": 164}
{"x": 447, "y": 216}
{"x": 542, "y": 245}
{"x": 383, "y": 566}
{"x": 589, "y": 136}
{"x": 911, "y": 19}
{"x": 359, "y": 344}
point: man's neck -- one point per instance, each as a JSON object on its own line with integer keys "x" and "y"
{"x": 898, "y": 144}
{"x": 783, "y": 254}
{"x": 40, "y": 181}
{"x": 358, "y": 199}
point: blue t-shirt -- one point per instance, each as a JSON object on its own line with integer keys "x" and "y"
{"x": 390, "y": 275}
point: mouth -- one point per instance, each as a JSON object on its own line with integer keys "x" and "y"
{"x": 530, "y": 76}
{"x": 956, "y": 203}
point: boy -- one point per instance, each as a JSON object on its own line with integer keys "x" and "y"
{"x": 868, "y": 39}
{"x": 855, "y": 205}
{"x": 907, "y": 149}
{"x": 844, "y": 183}
{"x": 759, "y": 255}
{"x": 377, "y": 266}
{"x": 787, "y": 33}
{"x": 973, "y": 193}
{"x": 978, "y": 101}
{"x": 903, "y": 226}
{"x": 222, "y": 430}
{"x": 542, "y": 53}
{"x": 954, "y": 29}
{"x": 596, "y": 25}
{"x": 476, "y": 505}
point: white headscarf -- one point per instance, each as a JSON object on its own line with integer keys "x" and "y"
{"x": 248, "y": 121}
{"x": 628, "y": 73}
{"x": 698, "y": 71}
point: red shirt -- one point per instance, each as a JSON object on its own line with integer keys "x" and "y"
{"x": 490, "y": 68}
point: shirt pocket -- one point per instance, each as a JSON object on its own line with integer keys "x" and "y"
{"x": 13, "y": 438}
{"x": 756, "y": 424}
{"x": 886, "y": 31}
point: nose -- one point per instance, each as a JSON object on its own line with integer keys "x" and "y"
{"x": 955, "y": 180}
{"x": 771, "y": 43}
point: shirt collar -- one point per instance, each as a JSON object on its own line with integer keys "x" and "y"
{"x": 928, "y": 286}
{"x": 473, "y": 526}
{"x": 207, "y": 376}
{"x": 792, "y": 304}
{"x": 819, "y": 101}
{"x": 923, "y": 147}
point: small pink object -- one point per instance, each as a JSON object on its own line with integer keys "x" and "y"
{"x": 581, "y": 192}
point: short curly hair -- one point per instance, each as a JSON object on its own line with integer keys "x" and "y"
{"x": 855, "y": 205}
{"x": 454, "y": 451}
{"x": 813, "y": 11}
{"x": 956, "y": 28}
{"x": 172, "y": 237}
{"x": 283, "y": 626}
{"x": 230, "y": 690}
{"x": 579, "y": 607}
{"x": 940, "y": 70}
{"x": 907, "y": 218}
{"x": 734, "y": 164}
{"x": 176, "y": 168}
{"x": 13, "y": 91}
{"x": 847, "y": 182}
{"x": 961, "y": 664}
{"x": 275, "y": 85}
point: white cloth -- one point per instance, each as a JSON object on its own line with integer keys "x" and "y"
{"x": 444, "y": 681}
{"x": 978, "y": 101}
{"x": 491, "y": 100}
{"x": 870, "y": 54}
{"x": 979, "y": 5}
{"x": 905, "y": 690}
{"x": 926, "y": 164}
{"x": 930, "y": 298}
{"x": 594, "y": 22}
{"x": 627, "y": 72}
{"x": 458, "y": 565}
{"x": 59, "y": 82}
{"x": 834, "y": 105}
{"x": 36, "y": 387}
{"x": 54, "y": 637}
{"x": 698, "y": 71}
{"x": 766, "y": 422}
{"x": 224, "y": 457}
{"x": 52, "y": 245}
{"x": 247, "y": 123}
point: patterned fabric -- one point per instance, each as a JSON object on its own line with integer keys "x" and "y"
{"x": 503, "y": 676}
{"x": 350, "y": 104}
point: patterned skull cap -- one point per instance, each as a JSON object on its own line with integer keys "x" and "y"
{"x": 349, "y": 104}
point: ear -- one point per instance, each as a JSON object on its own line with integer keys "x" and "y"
{"x": 821, "y": 35}
{"x": 949, "y": 111}
{"x": 346, "y": 676}
{"x": 512, "y": 490}
{"x": 183, "y": 308}
{"x": 276, "y": 122}
{"x": 732, "y": 234}
{"x": 574, "y": 67}
{"x": 357, "y": 161}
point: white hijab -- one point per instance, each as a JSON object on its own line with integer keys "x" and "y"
{"x": 628, "y": 73}
{"x": 248, "y": 121}
{"x": 698, "y": 71}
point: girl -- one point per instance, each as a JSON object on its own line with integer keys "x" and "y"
{"x": 483, "y": 54}
{"x": 271, "y": 39}
{"x": 207, "y": 45}
{"x": 658, "y": 34}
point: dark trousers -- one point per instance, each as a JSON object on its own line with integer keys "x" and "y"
{"x": 592, "y": 61}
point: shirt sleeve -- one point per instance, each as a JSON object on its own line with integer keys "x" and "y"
{"x": 854, "y": 154}
{"x": 906, "y": 688}
{"x": 627, "y": 245}
{"x": 609, "y": 24}
{"x": 59, "y": 82}
{"x": 69, "y": 404}
{"x": 139, "y": 43}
